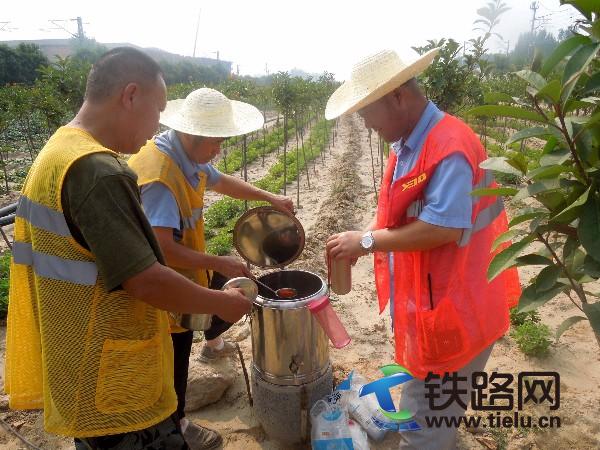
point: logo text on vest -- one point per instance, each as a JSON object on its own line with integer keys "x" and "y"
{"x": 415, "y": 181}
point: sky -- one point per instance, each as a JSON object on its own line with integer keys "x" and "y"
{"x": 274, "y": 35}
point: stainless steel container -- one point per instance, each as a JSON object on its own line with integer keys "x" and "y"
{"x": 289, "y": 347}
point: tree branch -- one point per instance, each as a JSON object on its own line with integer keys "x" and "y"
{"x": 571, "y": 144}
{"x": 576, "y": 286}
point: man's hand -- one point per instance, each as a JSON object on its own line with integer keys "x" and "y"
{"x": 231, "y": 267}
{"x": 282, "y": 203}
{"x": 235, "y": 306}
{"x": 345, "y": 245}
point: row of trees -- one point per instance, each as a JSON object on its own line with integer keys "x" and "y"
{"x": 20, "y": 64}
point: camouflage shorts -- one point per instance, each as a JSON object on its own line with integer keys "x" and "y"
{"x": 165, "y": 435}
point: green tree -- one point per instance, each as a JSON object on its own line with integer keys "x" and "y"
{"x": 447, "y": 81}
{"x": 563, "y": 186}
{"x": 542, "y": 42}
{"x": 21, "y": 64}
{"x": 66, "y": 79}
{"x": 490, "y": 18}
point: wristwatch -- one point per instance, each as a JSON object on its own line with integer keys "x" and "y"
{"x": 367, "y": 242}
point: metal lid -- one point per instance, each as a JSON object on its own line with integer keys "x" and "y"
{"x": 268, "y": 237}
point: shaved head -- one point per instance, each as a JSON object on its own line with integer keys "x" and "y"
{"x": 116, "y": 69}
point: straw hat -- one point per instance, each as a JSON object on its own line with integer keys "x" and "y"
{"x": 206, "y": 112}
{"x": 372, "y": 78}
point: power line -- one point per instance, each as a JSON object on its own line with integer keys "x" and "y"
{"x": 58, "y": 24}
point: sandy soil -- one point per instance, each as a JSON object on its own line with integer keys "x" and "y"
{"x": 341, "y": 197}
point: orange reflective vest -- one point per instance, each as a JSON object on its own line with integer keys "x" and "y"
{"x": 445, "y": 310}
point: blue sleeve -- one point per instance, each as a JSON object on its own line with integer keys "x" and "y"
{"x": 160, "y": 206}
{"x": 212, "y": 174}
{"x": 448, "y": 202}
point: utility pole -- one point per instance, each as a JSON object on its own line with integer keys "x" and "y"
{"x": 196, "y": 36}
{"x": 80, "y": 34}
{"x": 507, "y": 46}
{"x": 534, "y": 7}
{"x": 58, "y": 25}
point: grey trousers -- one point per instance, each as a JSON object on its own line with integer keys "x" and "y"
{"x": 413, "y": 398}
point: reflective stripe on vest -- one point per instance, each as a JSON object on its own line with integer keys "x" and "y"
{"x": 487, "y": 215}
{"x": 54, "y": 267}
{"x": 415, "y": 208}
{"x": 41, "y": 216}
{"x": 190, "y": 222}
{"x": 485, "y": 182}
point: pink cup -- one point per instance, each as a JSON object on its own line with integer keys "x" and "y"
{"x": 330, "y": 322}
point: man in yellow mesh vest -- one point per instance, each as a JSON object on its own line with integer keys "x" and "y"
{"x": 87, "y": 331}
{"x": 173, "y": 172}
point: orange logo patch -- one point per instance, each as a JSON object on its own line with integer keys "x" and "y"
{"x": 415, "y": 181}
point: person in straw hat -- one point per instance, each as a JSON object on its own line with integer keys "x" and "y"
{"x": 87, "y": 327}
{"x": 432, "y": 241}
{"x": 173, "y": 172}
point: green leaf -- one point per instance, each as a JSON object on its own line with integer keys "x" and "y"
{"x": 564, "y": 49}
{"x": 495, "y": 97}
{"x": 533, "y": 260}
{"x": 525, "y": 217}
{"x": 507, "y": 111}
{"x": 574, "y": 104}
{"x": 555, "y": 158}
{"x": 550, "y": 146}
{"x": 591, "y": 121}
{"x": 589, "y": 227}
{"x": 500, "y": 164}
{"x": 566, "y": 324}
{"x": 591, "y": 267}
{"x": 507, "y": 191}
{"x": 551, "y": 91}
{"x": 517, "y": 160}
{"x": 546, "y": 279}
{"x": 507, "y": 257}
{"x": 570, "y": 246}
{"x": 531, "y": 299}
{"x": 533, "y": 78}
{"x": 526, "y": 133}
{"x": 570, "y": 212}
{"x": 585, "y": 7}
{"x": 536, "y": 188}
{"x": 506, "y": 236}
{"x": 593, "y": 84}
{"x": 579, "y": 62}
{"x": 548, "y": 172}
{"x": 592, "y": 311}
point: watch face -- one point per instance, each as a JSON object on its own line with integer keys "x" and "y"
{"x": 366, "y": 242}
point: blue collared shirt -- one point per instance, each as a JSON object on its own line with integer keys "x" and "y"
{"x": 158, "y": 201}
{"x": 447, "y": 201}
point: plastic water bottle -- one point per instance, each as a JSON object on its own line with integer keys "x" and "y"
{"x": 365, "y": 410}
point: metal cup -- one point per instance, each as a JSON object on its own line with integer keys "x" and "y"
{"x": 249, "y": 287}
{"x": 195, "y": 322}
{"x": 341, "y": 275}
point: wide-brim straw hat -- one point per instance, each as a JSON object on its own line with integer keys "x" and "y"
{"x": 207, "y": 112}
{"x": 374, "y": 77}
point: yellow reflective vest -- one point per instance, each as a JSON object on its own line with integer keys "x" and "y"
{"x": 151, "y": 165}
{"x": 97, "y": 362}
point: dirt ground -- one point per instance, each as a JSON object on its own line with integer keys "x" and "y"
{"x": 341, "y": 197}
